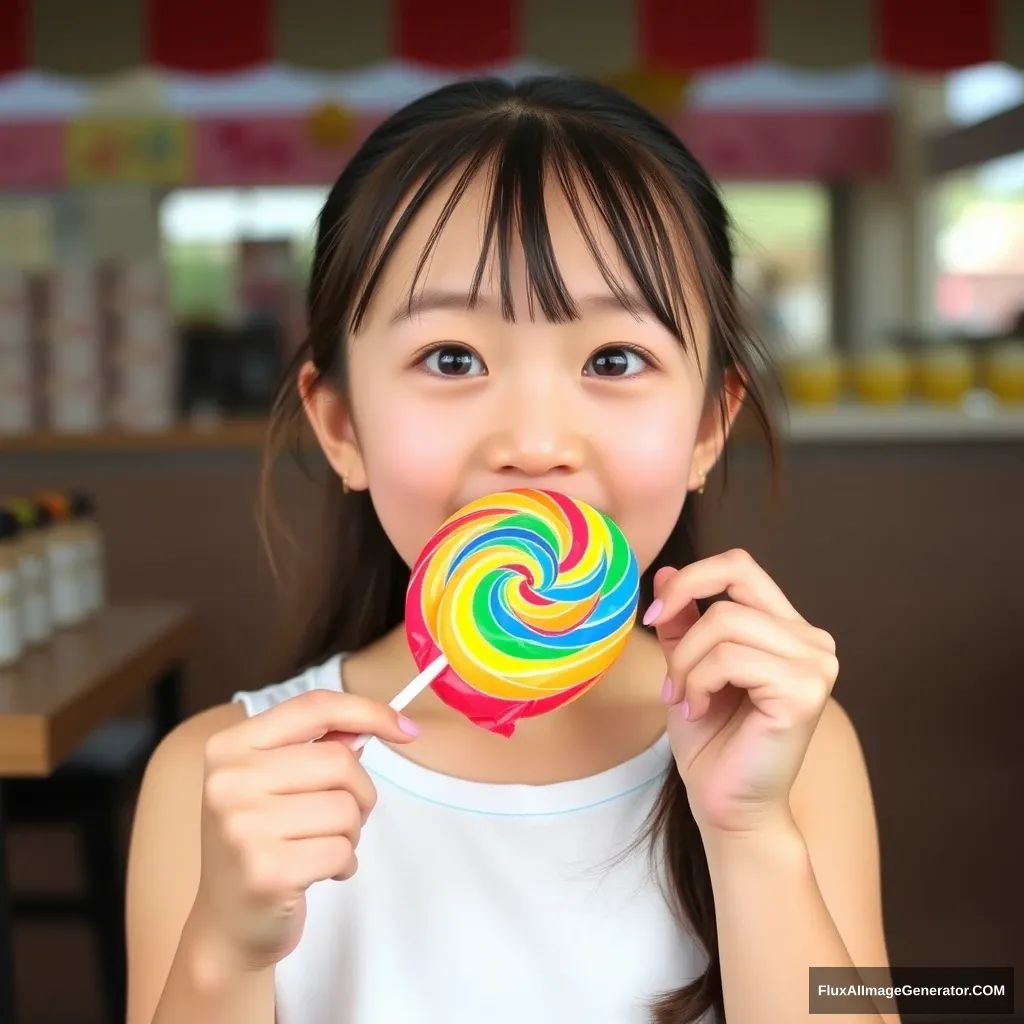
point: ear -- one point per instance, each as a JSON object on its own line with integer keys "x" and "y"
{"x": 715, "y": 428}
{"x": 332, "y": 424}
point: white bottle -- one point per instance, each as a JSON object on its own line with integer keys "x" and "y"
{"x": 63, "y": 556}
{"x": 34, "y": 572}
{"x": 11, "y": 643}
{"x": 91, "y": 574}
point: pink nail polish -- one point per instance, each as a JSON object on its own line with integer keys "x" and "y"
{"x": 684, "y": 710}
{"x": 409, "y": 727}
{"x": 654, "y": 611}
{"x": 667, "y": 691}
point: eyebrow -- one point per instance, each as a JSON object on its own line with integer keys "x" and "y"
{"x": 430, "y": 300}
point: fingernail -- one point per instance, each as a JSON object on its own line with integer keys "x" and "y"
{"x": 684, "y": 709}
{"x": 654, "y": 611}
{"x": 667, "y": 691}
{"x": 409, "y": 727}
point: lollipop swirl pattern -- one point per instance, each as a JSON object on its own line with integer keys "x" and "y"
{"x": 530, "y": 595}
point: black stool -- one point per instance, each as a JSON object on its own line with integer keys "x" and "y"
{"x": 88, "y": 791}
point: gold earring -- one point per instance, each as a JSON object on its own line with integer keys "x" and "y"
{"x": 344, "y": 483}
{"x": 703, "y": 481}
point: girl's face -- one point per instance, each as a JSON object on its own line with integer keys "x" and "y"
{"x": 452, "y": 403}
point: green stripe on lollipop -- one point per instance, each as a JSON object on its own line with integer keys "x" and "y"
{"x": 620, "y": 558}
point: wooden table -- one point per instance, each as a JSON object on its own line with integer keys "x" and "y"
{"x": 54, "y": 698}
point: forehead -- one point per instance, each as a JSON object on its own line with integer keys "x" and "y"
{"x": 454, "y": 256}
{"x": 539, "y": 248}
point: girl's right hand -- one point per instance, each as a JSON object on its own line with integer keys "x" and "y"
{"x": 281, "y": 812}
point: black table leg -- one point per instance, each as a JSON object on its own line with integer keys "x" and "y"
{"x": 6, "y": 928}
{"x": 168, "y": 700}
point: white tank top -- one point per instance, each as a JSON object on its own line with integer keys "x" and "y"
{"x": 479, "y": 903}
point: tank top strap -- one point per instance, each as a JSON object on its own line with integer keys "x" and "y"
{"x": 320, "y": 677}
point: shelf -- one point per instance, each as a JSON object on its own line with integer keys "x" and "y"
{"x": 226, "y": 434}
{"x": 844, "y": 423}
{"x": 979, "y": 420}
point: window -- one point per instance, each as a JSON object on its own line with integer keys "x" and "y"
{"x": 782, "y": 255}
{"x": 980, "y": 216}
{"x": 203, "y": 235}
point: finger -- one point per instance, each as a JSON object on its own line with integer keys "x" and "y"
{"x": 306, "y": 717}
{"x": 662, "y": 576}
{"x": 726, "y": 621}
{"x": 318, "y": 859}
{"x": 313, "y": 767}
{"x": 313, "y": 815}
{"x": 677, "y": 626}
{"x": 734, "y": 573}
{"x": 670, "y": 633}
{"x": 304, "y": 768}
{"x": 340, "y": 737}
{"x": 735, "y": 665}
{"x": 784, "y": 690}
{"x": 353, "y": 741}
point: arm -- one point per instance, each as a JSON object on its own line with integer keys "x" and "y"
{"x": 807, "y": 894}
{"x": 175, "y": 970}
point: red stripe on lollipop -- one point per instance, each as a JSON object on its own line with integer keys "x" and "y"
{"x": 579, "y": 531}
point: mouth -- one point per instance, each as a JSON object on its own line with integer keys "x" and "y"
{"x": 576, "y": 494}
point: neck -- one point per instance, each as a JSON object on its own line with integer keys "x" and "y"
{"x": 618, "y": 718}
{"x": 382, "y": 669}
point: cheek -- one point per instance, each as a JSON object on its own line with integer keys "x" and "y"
{"x": 413, "y": 456}
{"x": 648, "y": 447}
{"x": 416, "y": 442}
{"x": 648, "y": 467}
{"x": 656, "y": 459}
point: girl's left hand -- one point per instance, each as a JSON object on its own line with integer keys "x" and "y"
{"x": 747, "y": 682}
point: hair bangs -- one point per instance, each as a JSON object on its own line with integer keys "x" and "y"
{"x": 522, "y": 156}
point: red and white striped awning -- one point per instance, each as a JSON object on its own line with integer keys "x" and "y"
{"x": 594, "y": 37}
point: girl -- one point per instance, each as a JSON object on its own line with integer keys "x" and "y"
{"x": 524, "y": 285}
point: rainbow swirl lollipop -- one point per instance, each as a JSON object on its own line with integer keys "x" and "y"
{"x": 523, "y": 600}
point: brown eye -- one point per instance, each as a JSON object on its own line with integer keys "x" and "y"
{"x": 616, "y": 361}
{"x": 453, "y": 361}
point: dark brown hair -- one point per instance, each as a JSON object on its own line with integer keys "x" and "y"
{"x": 606, "y": 154}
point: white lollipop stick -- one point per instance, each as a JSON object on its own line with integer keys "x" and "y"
{"x": 408, "y": 693}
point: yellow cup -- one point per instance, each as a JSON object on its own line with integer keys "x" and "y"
{"x": 813, "y": 380}
{"x": 1004, "y": 372}
{"x": 945, "y": 375}
{"x": 881, "y": 376}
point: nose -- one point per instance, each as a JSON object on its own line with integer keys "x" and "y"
{"x": 537, "y": 432}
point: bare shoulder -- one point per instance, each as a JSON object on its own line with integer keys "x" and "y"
{"x": 172, "y": 783}
{"x": 164, "y": 859}
{"x": 170, "y": 800}
{"x": 186, "y": 742}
